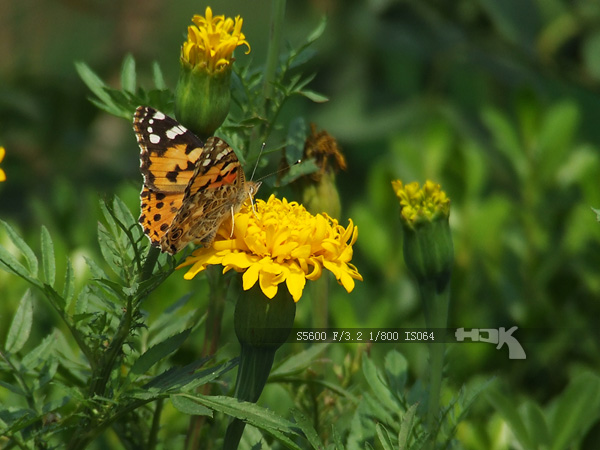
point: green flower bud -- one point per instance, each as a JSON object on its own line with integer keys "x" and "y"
{"x": 203, "y": 91}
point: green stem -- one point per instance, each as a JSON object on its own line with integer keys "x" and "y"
{"x": 253, "y": 372}
{"x": 436, "y": 317}
{"x": 149, "y": 263}
{"x": 152, "y": 440}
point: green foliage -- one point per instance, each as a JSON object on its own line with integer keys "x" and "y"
{"x": 497, "y": 101}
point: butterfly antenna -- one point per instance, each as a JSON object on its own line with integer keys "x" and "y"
{"x": 262, "y": 147}
{"x": 298, "y": 161}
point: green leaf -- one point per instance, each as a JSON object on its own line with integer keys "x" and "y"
{"x": 188, "y": 406}
{"x": 69, "y": 287}
{"x": 577, "y": 408}
{"x": 505, "y": 407}
{"x": 128, "y": 77}
{"x": 157, "y": 75}
{"x": 9, "y": 263}
{"x": 297, "y": 363}
{"x": 536, "y": 424}
{"x": 94, "y": 83}
{"x": 378, "y": 386}
{"x": 158, "y": 352}
{"x": 40, "y": 353}
{"x": 48, "y": 261}
{"x": 20, "y": 327}
{"x": 384, "y": 437}
{"x": 406, "y": 427}
{"x": 312, "y": 95}
{"x": 597, "y": 211}
{"x": 25, "y": 250}
{"x": 255, "y": 415}
{"x": 396, "y": 369}
{"x": 307, "y": 428}
{"x": 13, "y": 388}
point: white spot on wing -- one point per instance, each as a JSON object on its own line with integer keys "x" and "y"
{"x": 150, "y": 130}
{"x": 175, "y": 131}
{"x": 159, "y": 116}
{"x": 154, "y": 138}
{"x": 221, "y": 154}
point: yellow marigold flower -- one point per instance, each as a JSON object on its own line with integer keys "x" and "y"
{"x": 421, "y": 204}
{"x": 280, "y": 241}
{"x": 212, "y": 40}
{"x": 2, "y": 174}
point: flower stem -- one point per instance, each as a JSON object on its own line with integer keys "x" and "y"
{"x": 436, "y": 303}
{"x": 253, "y": 372}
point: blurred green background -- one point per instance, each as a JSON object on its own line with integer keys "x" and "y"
{"x": 496, "y": 100}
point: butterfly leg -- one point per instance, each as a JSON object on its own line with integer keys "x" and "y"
{"x": 232, "y": 222}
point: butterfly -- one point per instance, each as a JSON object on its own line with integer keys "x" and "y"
{"x": 190, "y": 187}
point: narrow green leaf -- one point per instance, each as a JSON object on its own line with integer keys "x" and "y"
{"x": 13, "y": 388}
{"x": 255, "y": 415}
{"x": 128, "y": 77}
{"x": 576, "y": 409}
{"x": 159, "y": 79}
{"x": 69, "y": 286}
{"x": 536, "y": 424}
{"x": 188, "y": 406}
{"x": 40, "y": 353}
{"x": 507, "y": 410}
{"x": 9, "y": 263}
{"x": 94, "y": 83}
{"x": 312, "y": 96}
{"x": 48, "y": 261}
{"x": 20, "y": 327}
{"x": 384, "y": 437}
{"x": 396, "y": 369}
{"x": 307, "y": 428}
{"x": 158, "y": 352}
{"x": 406, "y": 427}
{"x": 378, "y": 386}
{"x": 18, "y": 241}
{"x": 298, "y": 362}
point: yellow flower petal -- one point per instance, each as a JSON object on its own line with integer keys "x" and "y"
{"x": 279, "y": 241}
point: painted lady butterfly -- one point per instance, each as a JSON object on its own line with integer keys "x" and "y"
{"x": 190, "y": 187}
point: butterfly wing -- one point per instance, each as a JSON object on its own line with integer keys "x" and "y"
{"x": 168, "y": 156}
{"x": 216, "y": 190}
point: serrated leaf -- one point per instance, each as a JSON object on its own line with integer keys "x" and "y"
{"x": 48, "y": 261}
{"x": 157, "y": 75}
{"x": 406, "y": 427}
{"x": 22, "y": 246}
{"x": 158, "y": 352}
{"x": 188, "y": 406}
{"x": 69, "y": 286}
{"x": 384, "y": 437}
{"x": 40, "y": 353}
{"x": 9, "y": 263}
{"x": 20, "y": 327}
{"x": 396, "y": 369}
{"x": 378, "y": 386}
{"x": 307, "y": 428}
{"x": 128, "y": 76}
{"x": 260, "y": 417}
